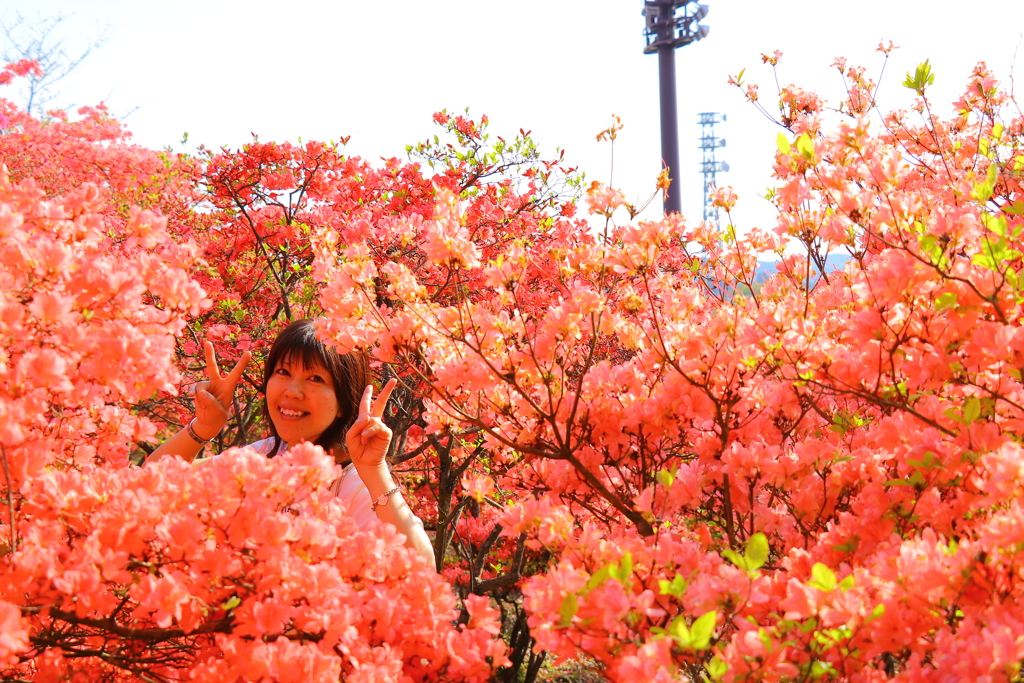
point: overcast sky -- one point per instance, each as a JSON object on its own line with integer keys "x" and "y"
{"x": 376, "y": 71}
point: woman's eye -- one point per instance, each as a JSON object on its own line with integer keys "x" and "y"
{"x": 280, "y": 371}
{"x": 316, "y": 378}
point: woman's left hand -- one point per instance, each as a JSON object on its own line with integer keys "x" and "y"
{"x": 368, "y": 438}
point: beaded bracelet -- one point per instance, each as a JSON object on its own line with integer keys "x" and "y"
{"x": 382, "y": 499}
{"x": 196, "y": 437}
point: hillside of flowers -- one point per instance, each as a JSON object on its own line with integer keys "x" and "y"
{"x": 631, "y": 454}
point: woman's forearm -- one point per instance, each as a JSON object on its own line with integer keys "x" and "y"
{"x": 394, "y": 510}
{"x": 182, "y": 444}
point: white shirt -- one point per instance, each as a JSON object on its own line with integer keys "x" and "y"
{"x": 348, "y": 487}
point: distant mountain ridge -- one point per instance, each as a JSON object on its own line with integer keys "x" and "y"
{"x": 766, "y": 269}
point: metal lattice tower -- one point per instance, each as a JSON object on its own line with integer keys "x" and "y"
{"x": 709, "y": 166}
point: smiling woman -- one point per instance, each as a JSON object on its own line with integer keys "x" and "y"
{"x": 302, "y": 401}
{"x": 314, "y": 395}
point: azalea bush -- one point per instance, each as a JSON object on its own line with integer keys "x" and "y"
{"x": 812, "y": 478}
{"x": 631, "y": 453}
{"x": 236, "y": 570}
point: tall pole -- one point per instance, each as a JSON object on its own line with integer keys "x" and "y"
{"x": 669, "y": 118}
{"x": 664, "y": 33}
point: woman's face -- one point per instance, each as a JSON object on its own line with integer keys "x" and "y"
{"x": 301, "y": 401}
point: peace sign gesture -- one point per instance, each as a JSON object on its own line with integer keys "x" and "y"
{"x": 214, "y": 395}
{"x": 368, "y": 438}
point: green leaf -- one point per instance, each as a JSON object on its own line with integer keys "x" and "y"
{"x": 983, "y": 191}
{"x": 716, "y": 668}
{"x": 822, "y": 578}
{"x": 598, "y": 578}
{"x": 945, "y": 300}
{"x": 623, "y": 570}
{"x": 805, "y": 146}
{"x": 679, "y": 632}
{"x": 928, "y": 462}
{"x": 847, "y": 583}
{"x": 991, "y": 254}
{"x": 676, "y": 587}
{"x": 665, "y": 478}
{"x": 849, "y": 546}
{"x": 809, "y": 625}
{"x": 627, "y": 566}
{"x": 972, "y": 410}
{"x": 735, "y": 558}
{"x": 570, "y": 605}
{"x": 231, "y": 603}
{"x": 782, "y": 142}
{"x": 702, "y": 630}
{"x": 985, "y": 260}
{"x": 756, "y": 551}
{"x": 819, "y": 668}
{"x": 930, "y": 245}
{"x": 875, "y": 613}
{"x": 922, "y": 78}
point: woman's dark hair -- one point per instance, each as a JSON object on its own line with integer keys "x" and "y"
{"x": 350, "y": 373}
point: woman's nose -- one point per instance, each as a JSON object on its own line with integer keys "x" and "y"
{"x": 294, "y": 387}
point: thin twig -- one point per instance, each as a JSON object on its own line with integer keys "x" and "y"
{"x": 10, "y": 497}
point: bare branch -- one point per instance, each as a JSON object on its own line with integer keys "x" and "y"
{"x": 40, "y": 41}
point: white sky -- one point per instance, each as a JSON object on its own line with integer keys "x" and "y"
{"x": 376, "y": 71}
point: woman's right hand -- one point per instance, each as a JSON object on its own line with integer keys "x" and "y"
{"x": 215, "y": 395}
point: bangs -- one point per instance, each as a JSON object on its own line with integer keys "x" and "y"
{"x": 308, "y": 353}
{"x": 299, "y": 343}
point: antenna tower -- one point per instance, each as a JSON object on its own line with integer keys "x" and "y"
{"x": 709, "y": 166}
